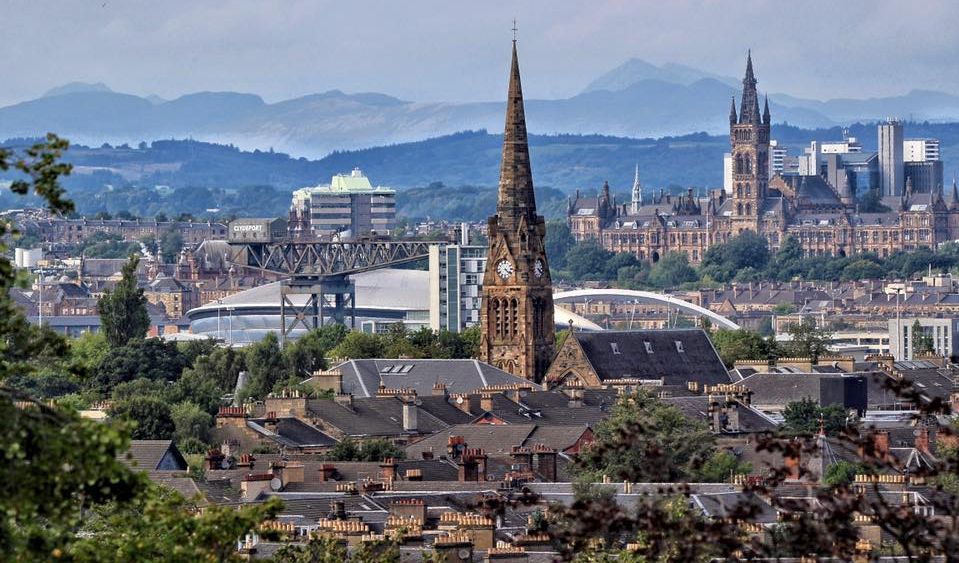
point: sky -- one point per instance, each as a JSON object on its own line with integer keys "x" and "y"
{"x": 447, "y": 50}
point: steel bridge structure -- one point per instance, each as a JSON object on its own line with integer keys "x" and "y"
{"x": 322, "y": 270}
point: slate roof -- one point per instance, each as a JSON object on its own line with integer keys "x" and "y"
{"x": 293, "y": 432}
{"x": 153, "y": 455}
{"x": 546, "y": 408}
{"x": 376, "y": 416}
{"x": 783, "y": 388}
{"x": 654, "y": 354}
{"x": 492, "y": 439}
{"x": 363, "y": 377}
{"x": 559, "y": 437}
{"x": 750, "y": 420}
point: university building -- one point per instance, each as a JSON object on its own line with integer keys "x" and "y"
{"x": 823, "y": 217}
{"x": 349, "y": 206}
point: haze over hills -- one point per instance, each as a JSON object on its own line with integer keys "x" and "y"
{"x": 636, "y": 99}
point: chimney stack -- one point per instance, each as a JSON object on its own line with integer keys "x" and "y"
{"x": 409, "y": 414}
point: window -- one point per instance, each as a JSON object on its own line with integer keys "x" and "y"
{"x": 614, "y": 346}
{"x": 649, "y": 346}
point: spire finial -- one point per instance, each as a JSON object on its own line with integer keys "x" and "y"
{"x": 514, "y": 30}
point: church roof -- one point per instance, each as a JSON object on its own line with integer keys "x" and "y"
{"x": 676, "y": 356}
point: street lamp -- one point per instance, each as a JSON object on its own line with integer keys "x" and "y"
{"x": 230, "y": 309}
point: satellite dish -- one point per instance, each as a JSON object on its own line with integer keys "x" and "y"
{"x": 464, "y": 554}
{"x": 276, "y": 484}
{"x": 459, "y": 400}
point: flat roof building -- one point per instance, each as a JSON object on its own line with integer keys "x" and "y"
{"x": 349, "y": 206}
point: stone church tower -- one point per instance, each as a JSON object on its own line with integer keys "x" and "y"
{"x": 517, "y": 311}
{"x": 749, "y": 136}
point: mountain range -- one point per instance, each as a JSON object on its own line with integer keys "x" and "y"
{"x": 636, "y": 99}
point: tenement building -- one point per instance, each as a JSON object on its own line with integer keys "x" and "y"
{"x": 824, "y": 218}
{"x": 516, "y": 318}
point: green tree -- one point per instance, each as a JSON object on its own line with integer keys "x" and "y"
{"x": 359, "y": 345}
{"x": 171, "y": 243}
{"x": 151, "y": 359}
{"x": 190, "y": 421}
{"x": 221, "y": 366}
{"x": 721, "y": 466}
{"x": 558, "y": 242}
{"x": 160, "y": 525}
{"x": 921, "y": 341}
{"x": 807, "y": 340}
{"x": 742, "y": 344}
{"x": 841, "y": 473}
{"x": 646, "y": 440}
{"x": 672, "y": 271}
{"x": 725, "y": 261}
{"x": 265, "y": 365}
{"x": 123, "y": 311}
{"x": 151, "y": 415}
{"x": 805, "y": 416}
{"x": 862, "y": 269}
{"x": 587, "y": 259}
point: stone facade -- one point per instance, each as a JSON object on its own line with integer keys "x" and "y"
{"x": 516, "y": 318}
{"x": 823, "y": 218}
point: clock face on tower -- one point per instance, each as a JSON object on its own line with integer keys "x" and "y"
{"x": 504, "y": 268}
{"x": 538, "y": 268}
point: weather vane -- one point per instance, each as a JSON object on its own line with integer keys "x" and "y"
{"x": 514, "y": 29}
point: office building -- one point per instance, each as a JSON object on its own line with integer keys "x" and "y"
{"x": 923, "y": 177}
{"x": 892, "y": 179}
{"x": 777, "y": 159}
{"x": 920, "y": 150}
{"x": 348, "y": 207}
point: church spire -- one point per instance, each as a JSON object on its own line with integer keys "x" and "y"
{"x": 732, "y": 112}
{"x": 637, "y": 199}
{"x": 749, "y": 108}
{"x": 516, "y": 196}
{"x": 955, "y": 195}
{"x": 766, "y": 117}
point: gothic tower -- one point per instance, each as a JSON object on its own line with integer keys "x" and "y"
{"x": 749, "y": 136}
{"x": 517, "y": 311}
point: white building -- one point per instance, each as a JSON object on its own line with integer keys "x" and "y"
{"x": 941, "y": 332}
{"x": 348, "y": 206}
{"x": 777, "y": 157}
{"x": 920, "y": 150}
{"x": 456, "y": 284}
{"x": 728, "y": 173}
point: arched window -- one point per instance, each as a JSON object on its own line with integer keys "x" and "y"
{"x": 749, "y": 190}
{"x": 739, "y": 209}
{"x": 739, "y": 190}
{"x": 749, "y": 209}
{"x": 514, "y": 318}
{"x": 749, "y": 165}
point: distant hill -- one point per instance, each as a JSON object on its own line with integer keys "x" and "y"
{"x": 636, "y": 70}
{"x": 637, "y": 99}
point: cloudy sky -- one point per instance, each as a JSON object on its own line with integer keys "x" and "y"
{"x": 458, "y": 51}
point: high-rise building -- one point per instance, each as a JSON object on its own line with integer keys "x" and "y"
{"x": 920, "y": 150}
{"x": 516, "y": 319}
{"x": 350, "y": 206}
{"x": 456, "y": 284}
{"x": 777, "y": 157}
{"x": 891, "y": 172}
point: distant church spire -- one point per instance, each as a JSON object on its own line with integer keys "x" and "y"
{"x": 766, "y": 117}
{"x": 732, "y": 112}
{"x": 637, "y": 199}
{"x": 516, "y": 198}
{"x": 749, "y": 108}
{"x": 955, "y": 195}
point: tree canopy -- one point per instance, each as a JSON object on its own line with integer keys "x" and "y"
{"x": 123, "y": 311}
